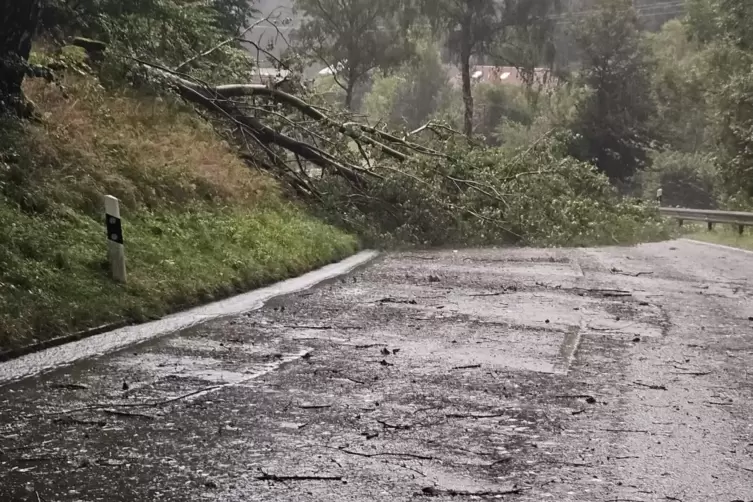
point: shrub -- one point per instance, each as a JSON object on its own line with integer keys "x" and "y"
{"x": 498, "y": 106}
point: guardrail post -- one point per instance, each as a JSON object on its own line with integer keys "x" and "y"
{"x": 711, "y": 226}
{"x": 115, "y": 248}
{"x": 741, "y": 229}
{"x": 680, "y": 220}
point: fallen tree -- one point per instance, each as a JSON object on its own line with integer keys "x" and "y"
{"x": 431, "y": 189}
{"x": 228, "y": 102}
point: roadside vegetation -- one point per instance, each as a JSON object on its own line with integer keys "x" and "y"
{"x": 198, "y": 224}
{"x": 406, "y": 137}
{"x": 721, "y": 234}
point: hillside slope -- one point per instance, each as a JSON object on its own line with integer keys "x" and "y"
{"x": 198, "y": 223}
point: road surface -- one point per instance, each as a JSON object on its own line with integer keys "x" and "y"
{"x": 617, "y": 374}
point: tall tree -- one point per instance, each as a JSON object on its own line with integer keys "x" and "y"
{"x": 725, "y": 27}
{"x": 354, "y": 37}
{"x": 612, "y": 122}
{"x": 480, "y": 27}
{"x": 20, "y": 22}
{"x": 680, "y": 86}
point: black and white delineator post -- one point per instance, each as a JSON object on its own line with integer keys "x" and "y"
{"x": 115, "y": 249}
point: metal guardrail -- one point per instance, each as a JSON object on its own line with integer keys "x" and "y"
{"x": 710, "y": 216}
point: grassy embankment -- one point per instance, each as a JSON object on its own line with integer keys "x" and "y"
{"x": 198, "y": 223}
{"x": 722, "y": 234}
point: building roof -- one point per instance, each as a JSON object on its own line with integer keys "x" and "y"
{"x": 505, "y": 75}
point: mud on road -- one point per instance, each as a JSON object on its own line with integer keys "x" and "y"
{"x": 526, "y": 375}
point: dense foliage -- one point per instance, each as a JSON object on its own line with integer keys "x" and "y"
{"x": 169, "y": 32}
{"x": 538, "y": 196}
{"x": 612, "y": 124}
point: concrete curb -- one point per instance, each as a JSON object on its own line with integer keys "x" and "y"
{"x": 61, "y": 340}
{"x": 31, "y": 360}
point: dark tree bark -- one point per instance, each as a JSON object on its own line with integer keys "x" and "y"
{"x": 349, "y": 88}
{"x": 20, "y": 19}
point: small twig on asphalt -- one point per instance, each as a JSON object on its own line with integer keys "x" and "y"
{"x": 308, "y": 327}
{"x": 38, "y": 459}
{"x": 636, "y": 431}
{"x": 578, "y": 412}
{"x": 573, "y": 464}
{"x": 39, "y": 499}
{"x": 469, "y": 367}
{"x": 692, "y": 373}
{"x": 625, "y": 457}
{"x": 489, "y": 294}
{"x": 409, "y": 468}
{"x": 352, "y": 380}
{"x": 391, "y": 426}
{"x": 69, "y": 420}
{"x": 154, "y": 404}
{"x": 396, "y": 300}
{"x": 589, "y": 398}
{"x": 675, "y": 499}
{"x": 72, "y": 386}
{"x": 431, "y": 491}
{"x": 314, "y": 406}
{"x": 274, "y": 477}
{"x": 501, "y": 461}
{"x": 475, "y": 416}
{"x": 383, "y": 454}
{"x": 651, "y": 386}
{"x": 127, "y": 414}
{"x": 613, "y": 294}
{"x": 746, "y": 469}
{"x": 416, "y": 257}
{"x": 629, "y": 274}
{"x": 717, "y": 403}
{"x": 370, "y": 345}
{"x": 616, "y": 328}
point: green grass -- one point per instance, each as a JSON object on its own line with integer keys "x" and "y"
{"x": 199, "y": 224}
{"x": 724, "y": 235}
{"x": 54, "y": 278}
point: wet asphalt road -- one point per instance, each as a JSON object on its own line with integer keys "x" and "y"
{"x": 617, "y": 374}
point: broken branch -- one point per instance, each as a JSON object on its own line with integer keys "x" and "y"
{"x": 468, "y": 367}
{"x": 382, "y": 454}
{"x": 651, "y": 386}
{"x": 265, "y": 476}
{"x": 431, "y": 491}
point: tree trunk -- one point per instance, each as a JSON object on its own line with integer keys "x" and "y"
{"x": 465, "y": 71}
{"x": 349, "y": 94}
{"x": 20, "y": 19}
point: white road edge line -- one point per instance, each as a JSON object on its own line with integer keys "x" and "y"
{"x": 719, "y": 246}
{"x": 55, "y": 357}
